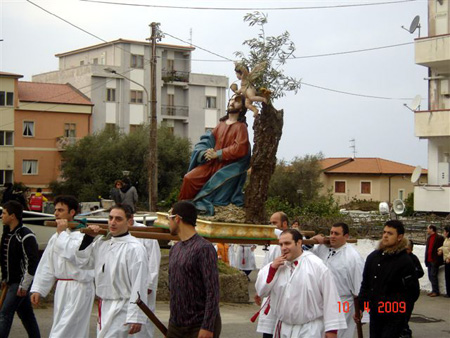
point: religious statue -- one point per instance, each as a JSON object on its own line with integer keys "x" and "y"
{"x": 247, "y": 88}
{"x": 219, "y": 162}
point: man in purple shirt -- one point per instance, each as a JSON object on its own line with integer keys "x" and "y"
{"x": 193, "y": 279}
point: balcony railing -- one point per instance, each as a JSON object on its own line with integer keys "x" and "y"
{"x": 63, "y": 142}
{"x": 175, "y": 76}
{"x": 175, "y": 110}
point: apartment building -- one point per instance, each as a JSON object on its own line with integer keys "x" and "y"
{"x": 433, "y": 124}
{"x": 8, "y": 103}
{"x": 116, "y": 77}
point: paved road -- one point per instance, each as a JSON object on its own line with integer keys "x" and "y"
{"x": 431, "y": 318}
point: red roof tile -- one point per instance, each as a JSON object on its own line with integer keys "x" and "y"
{"x": 368, "y": 165}
{"x": 51, "y": 93}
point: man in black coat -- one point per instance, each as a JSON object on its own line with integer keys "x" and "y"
{"x": 432, "y": 259}
{"x": 390, "y": 285}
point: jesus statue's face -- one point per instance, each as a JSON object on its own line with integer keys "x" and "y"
{"x": 234, "y": 104}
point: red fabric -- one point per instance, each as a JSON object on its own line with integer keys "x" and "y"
{"x": 233, "y": 141}
{"x": 430, "y": 248}
{"x": 36, "y": 203}
{"x": 272, "y": 272}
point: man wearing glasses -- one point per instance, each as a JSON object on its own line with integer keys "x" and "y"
{"x": 193, "y": 279}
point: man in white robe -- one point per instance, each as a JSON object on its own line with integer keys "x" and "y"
{"x": 245, "y": 258}
{"x": 347, "y": 267}
{"x": 302, "y": 292}
{"x": 154, "y": 261}
{"x": 74, "y": 294}
{"x": 120, "y": 264}
{"x": 267, "y": 320}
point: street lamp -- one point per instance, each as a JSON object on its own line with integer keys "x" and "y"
{"x": 152, "y": 174}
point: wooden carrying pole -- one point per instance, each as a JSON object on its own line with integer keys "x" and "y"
{"x": 3, "y": 294}
{"x": 73, "y": 225}
{"x": 161, "y": 327}
{"x": 169, "y": 237}
{"x": 359, "y": 317}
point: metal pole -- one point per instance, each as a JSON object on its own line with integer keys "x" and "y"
{"x": 153, "y": 145}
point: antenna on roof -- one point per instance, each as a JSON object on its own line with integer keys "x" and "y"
{"x": 353, "y": 146}
{"x": 190, "y": 36}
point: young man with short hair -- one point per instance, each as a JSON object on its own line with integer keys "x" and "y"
{"x": 302, "y": 290}
{"x": 193, "y": 279}
{"x": 347, "y": 266}
{"x": 120, "y": 263}
{"x": 19, "y": 258}
{"x": 390, "y": 285}
{"x": 74, "y": 293}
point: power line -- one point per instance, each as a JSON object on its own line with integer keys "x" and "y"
{"x": 248, "y": 8}
{"x": 355, "y": 94}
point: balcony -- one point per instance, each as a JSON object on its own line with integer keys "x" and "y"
{"x": 432, "y": 198}
{"x": 434, "y": 52}
{"x": 432, "y": 123}
{"x": 175, "y": 111}
{"x": 170, "y": 76}
{"x": 63, "y": 142}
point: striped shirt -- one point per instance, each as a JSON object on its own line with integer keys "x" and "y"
{"x": 193, "y": 283}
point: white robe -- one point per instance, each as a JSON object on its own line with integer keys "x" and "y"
{"x": 232, "y": 255}
{"x": 154, "y": 260}
{"x": 347, "y": 267}
{"x": 245, "y": 257}
{"x": 120, "y": 265}
{"x": 266, "y": 322}
{"x": 306, "y": 302}
{"x": 74, "y": 294}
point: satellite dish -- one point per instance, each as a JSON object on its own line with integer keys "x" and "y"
{"x": 416, "y": 102}
{"x": 416, "y": 174}
{"x": 398, "y": 206}
{"x": 383, "y": 207}
{"x": 414, "y": 24}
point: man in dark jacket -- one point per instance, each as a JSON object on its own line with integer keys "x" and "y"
{"x": 432, "y": 259}
{"x": 19, "y": 259}
{"x": 390, "y": 284}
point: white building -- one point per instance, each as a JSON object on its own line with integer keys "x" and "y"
{"x": 187, "y": 103}
{"x": 433, "y": 52}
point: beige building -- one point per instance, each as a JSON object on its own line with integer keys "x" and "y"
{"x": 187, "y": 103}
{"x": 9, "y": 101}
{"x": 433, "y": 124}
{"x": 374, "y": 179}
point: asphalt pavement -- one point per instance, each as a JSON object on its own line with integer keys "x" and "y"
{"x": 431, "y": 318}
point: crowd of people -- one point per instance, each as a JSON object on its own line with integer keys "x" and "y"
{"x": 325, "y": 290}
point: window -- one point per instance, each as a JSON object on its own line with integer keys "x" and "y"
{"x": 210, "y": 102}
{"x": 339, "y": 187}
{"x": 135, "y": 127}
{"x": 29, "y": 167}
{"x": 366, "y": 188}
{"x": 110, "y": 126}
{"x": 110, "y": 94}
{"x": 82, "y": 63}
{"x": 95, "y": 61}
{"x": 6, "y": 98}
{"x": 6, "y": 176}
{"x": 170, "y": 104}
{"x": 137, "y": 61}
{"x": 6, "y": 138}
{"x": 28, "y": 128}
{"x": 70, "y": 130}
{"x": 136, "y": 96}
{"x": 170, "y": 65}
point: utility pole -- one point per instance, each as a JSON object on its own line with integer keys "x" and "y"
{"x": 153, "y": 144}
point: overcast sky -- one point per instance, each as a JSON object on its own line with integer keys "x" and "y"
{"x": 315, "y": 120}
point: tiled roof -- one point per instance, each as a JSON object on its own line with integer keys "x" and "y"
{"x": 5, "y": 74}
{"x": 51, "y": 93}
{"x": 365, "y": 165}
